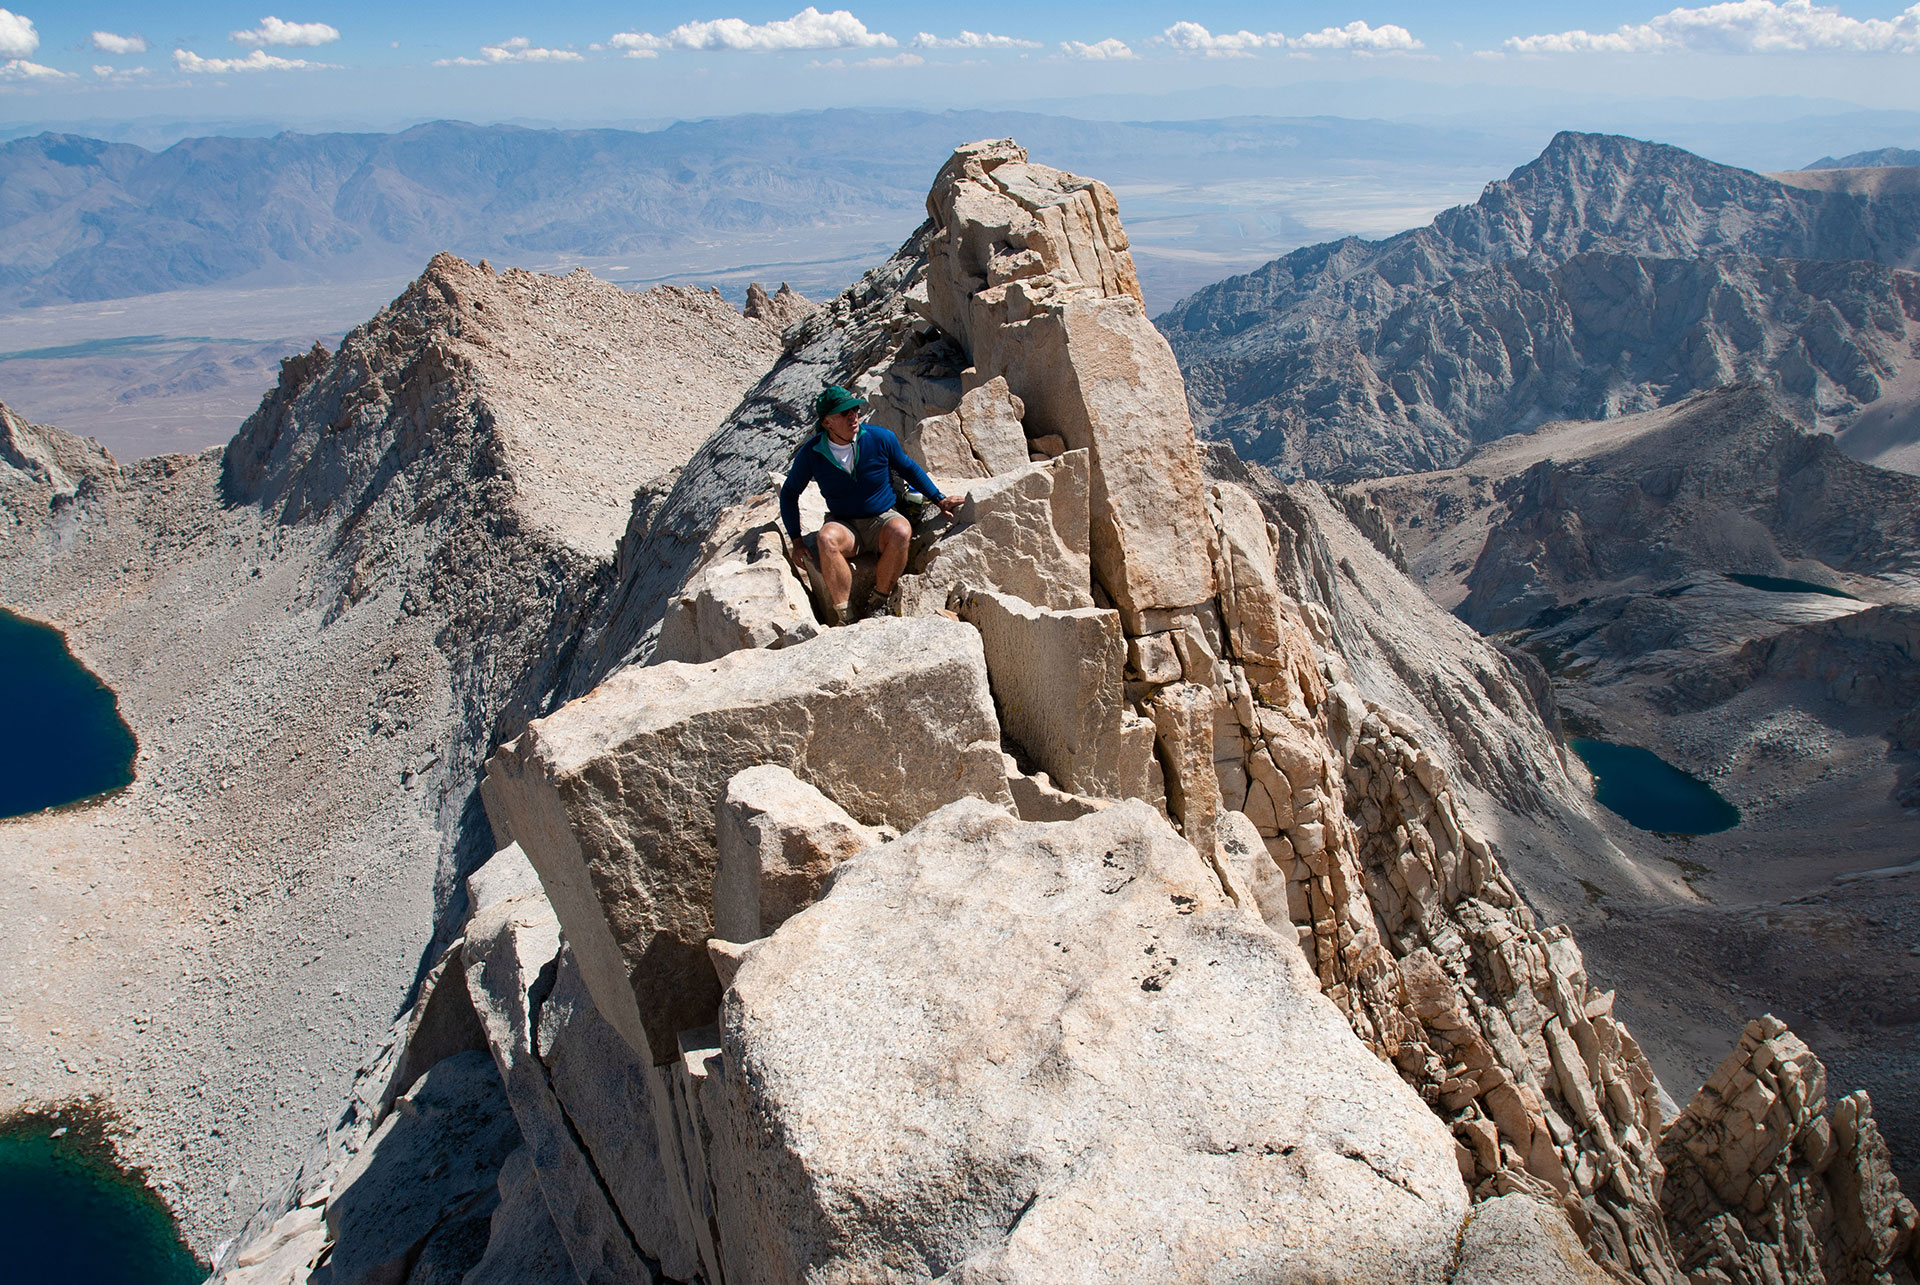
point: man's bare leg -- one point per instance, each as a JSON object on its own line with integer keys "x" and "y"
{"x": 832, "y": 547}
{"x": 895, "y": 538}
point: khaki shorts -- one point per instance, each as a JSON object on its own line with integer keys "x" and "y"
{"x": 866, "y": 531}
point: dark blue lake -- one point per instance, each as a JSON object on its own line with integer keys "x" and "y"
{"x": 68, "y": 1218}
{"x": 68, "y": 742}
{"x": 1780, "y": 584}
{"x": 1652, "y": 793}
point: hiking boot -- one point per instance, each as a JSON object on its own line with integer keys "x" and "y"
{"x": 877, "y": 604}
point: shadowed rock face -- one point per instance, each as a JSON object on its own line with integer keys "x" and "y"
{"x": 442, "y": 1145}
{"x": 1609, "y": 275}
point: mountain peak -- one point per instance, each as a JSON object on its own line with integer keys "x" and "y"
{"x": 587, "y": 392}
{"x": 1607, "y": 275}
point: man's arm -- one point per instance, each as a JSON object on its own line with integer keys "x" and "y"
{"x": 911, "y": 470}
{"x": 798, "y": 475}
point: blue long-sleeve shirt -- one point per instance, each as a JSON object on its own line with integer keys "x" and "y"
{"x": 863, "y": 492}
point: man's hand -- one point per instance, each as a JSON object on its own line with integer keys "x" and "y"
{"x": 799, "y": 554}
{"x": 949, "y": 506}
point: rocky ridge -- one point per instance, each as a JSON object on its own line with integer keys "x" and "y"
{"x": 313, "y": 634}
{"x": 778, "y": 310}
{"x": 1862, "y": 180}
{"x": 1607, "y": 276}
{"x": 1253, "y": 851}
{"x": 1768, "y": 1183}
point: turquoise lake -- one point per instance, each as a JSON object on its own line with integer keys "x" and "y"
{"x": 76, "y": 745}
{"x": 1650, "y": 792}
{"x": 68, "y": 1219}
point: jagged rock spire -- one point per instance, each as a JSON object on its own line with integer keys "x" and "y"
{"x": 1028, "y": 271}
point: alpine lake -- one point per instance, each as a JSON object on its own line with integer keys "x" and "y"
{"x": 78, "y": 746}
{"x": 1651, "y": 793}
{"x": 1781, "y": 584}
{"x": 68, "y": 1215}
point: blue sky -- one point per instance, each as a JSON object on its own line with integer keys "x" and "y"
{"x": 335, "y": 61}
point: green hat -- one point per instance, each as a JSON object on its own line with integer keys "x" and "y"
{"x": 833, "y": 400}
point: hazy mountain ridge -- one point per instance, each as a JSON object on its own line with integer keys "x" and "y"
{"x": 1334, "y": 360}
{"x": 1878, "y": 156}
{"x": 86, "y": 219}
{"x": 91, "y": 220}
{"x": 1731, "y": 486}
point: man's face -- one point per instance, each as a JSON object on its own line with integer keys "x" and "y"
{"x": 842, "y": 426}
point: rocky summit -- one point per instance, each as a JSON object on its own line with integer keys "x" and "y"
{"x": 1606, "y": 277}
{"x": 1145, "y": 892}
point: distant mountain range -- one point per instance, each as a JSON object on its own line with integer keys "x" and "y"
{"x": 82, "y": 219}
{"x": 1880, "y": 156}
{"x": 1609, "y": 275}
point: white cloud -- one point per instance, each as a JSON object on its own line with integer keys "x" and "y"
{"x": 1192, "y": 38}
{"x": 21, "y": 69}
{"x": 118, "y": 75}
{"x": 1580, "y": 42}
{"x": 259, "y": 60}
{"x": 108, "y": 43}
{"x": 519, "y": 49}
{"x": 808, "y": 29}
{"x": 17, "y": 36}
{"x": 1740, "y": 27}
{"x": 1108, "y": 50}
{"x": 972, "y": 40}
{"x": 634, "y": 46}
{"x": 894, "y": 60}
{"x": 273, "y": 31}
{"x": 1357, "y": 37}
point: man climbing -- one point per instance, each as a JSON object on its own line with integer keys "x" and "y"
{"x": 854, "y": 466}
